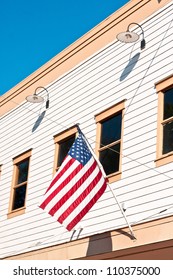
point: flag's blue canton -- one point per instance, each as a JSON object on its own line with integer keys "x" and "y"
{"x": 80, "y": 151}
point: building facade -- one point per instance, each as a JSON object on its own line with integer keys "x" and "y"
{"x": 122, "y": 97}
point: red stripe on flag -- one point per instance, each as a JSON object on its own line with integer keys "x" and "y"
{"x": 72, "y": 224}
{"x": 59, "y": 174}
{"x": 79, "y": 199}
{"x": 61, "y": 186}
{"x": 75, "y": 187}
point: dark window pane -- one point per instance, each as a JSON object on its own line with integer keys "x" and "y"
{"x": 168, "y": 138}
{"x": 64, "y": 147}
{"x": 23, "y": 171}
{"x": 109, "y": 158}
{"x": 168, "y": 104}
{"x": 111, "y": 130}
{"x": 19, "y": 197}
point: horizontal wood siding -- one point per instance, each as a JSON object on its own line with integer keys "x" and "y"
{"x": 120, "y": 71}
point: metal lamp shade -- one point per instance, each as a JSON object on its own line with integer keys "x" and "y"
{"x": 127, "y": 37}
{"x": 34, "y": 98}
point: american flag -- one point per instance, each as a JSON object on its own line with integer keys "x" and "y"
{"x": 76, "y": 187}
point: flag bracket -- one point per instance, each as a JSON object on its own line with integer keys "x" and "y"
{"x": 123, "y": 213}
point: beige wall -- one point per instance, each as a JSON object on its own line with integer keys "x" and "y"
{"x": 154, "y": 240}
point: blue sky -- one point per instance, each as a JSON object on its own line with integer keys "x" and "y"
{"x": 34, "y": 31}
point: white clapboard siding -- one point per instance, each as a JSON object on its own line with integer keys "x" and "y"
{"x": 117, "y": 72}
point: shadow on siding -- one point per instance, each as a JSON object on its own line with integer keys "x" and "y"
{"x": 38, "y": 121}
{"x": 130, "y": 66}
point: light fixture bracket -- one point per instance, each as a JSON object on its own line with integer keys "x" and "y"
{"x": 38, "y": 99}
{"x": 131, "y": 37}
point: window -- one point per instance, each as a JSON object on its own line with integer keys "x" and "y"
{"x": 19, "y": 184}
{"x": 63, "y": 142}
{"x": 109, "y": 140}
{"x": 165, "y": 122}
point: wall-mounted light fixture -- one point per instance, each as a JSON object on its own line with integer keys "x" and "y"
{"x": 38, "y": 99}
{"x": 131, "y": 37}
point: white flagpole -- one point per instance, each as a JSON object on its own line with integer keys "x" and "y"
{"x": 104, "y": 174}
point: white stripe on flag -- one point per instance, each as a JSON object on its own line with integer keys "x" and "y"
{"x": 80, "y": 190}
{"x": 57, "y": 197}
{"x": 84, "y": 202}
{"x": 62, "y": 178}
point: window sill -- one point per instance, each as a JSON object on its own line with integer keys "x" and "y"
{"x": 164, "y": 159}
{"x": 16, "y": 212}
{"x": 114, "y": 177}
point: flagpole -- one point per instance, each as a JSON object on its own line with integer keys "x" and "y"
{"x": 104, "y": 174}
